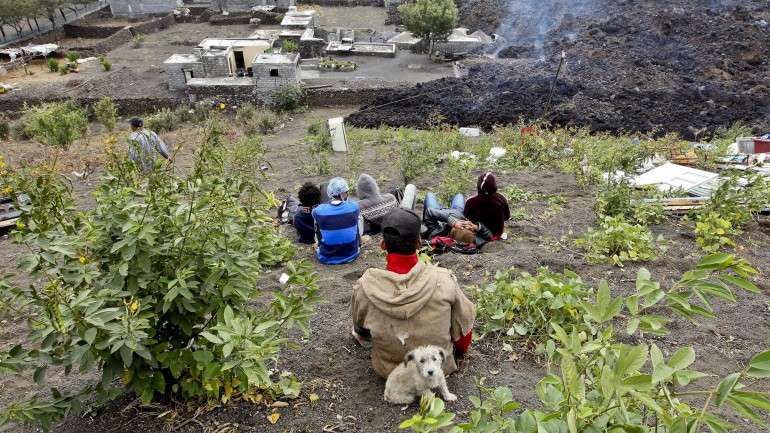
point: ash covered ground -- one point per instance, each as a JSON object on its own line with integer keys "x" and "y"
{"x": 686, "y": 66}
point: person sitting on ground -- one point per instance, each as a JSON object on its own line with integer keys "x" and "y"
{"x": 298, "y": 212}
{"x": 410, "y": 303}
{"x": 374, "y": 206}
{"x": 337, "y": 226}
{"x": 143, "y": 145}
{"x": 488, "y": 207}
{"x": 442, "y": 222}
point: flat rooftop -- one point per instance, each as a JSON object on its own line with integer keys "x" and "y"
{"x": 295, "y": 19}
{"x": 183, "y": 58}
{"x": 209, "y": 43}
{"x": 271, "y": 58}
{"x": 220, "y": 81}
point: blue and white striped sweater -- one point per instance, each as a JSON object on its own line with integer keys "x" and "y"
{"x": 337, "y": 227}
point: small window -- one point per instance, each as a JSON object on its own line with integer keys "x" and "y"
{"x": 274, "y": 72}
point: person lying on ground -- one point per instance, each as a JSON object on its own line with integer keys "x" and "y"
{"x": 143, "y": 145}
{"x": 298, "y": 212}
{"x": 488, "y": 207}
{"x": 451, "y": 222}
{"x": 374, "y": 206}
{"x": 337, "y": 226}
{"x": 410, "y": 303}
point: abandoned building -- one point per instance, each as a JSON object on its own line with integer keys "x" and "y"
{"x": 458, "y": 42}
{"x": 138, "y": 8}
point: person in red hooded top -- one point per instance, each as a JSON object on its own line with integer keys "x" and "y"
{"x": 488, "y": 206}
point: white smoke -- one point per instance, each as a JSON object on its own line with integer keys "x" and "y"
{"x": 527, "y": 22}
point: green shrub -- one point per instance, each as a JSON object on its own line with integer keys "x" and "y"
{"x": 198, "y": 112}
{"x": 290, "y": 98}
{"x": 245, "y": 113}
{"x": 105, "y": 64}
{"x": 138, "y": 40}
{"x": 53, "y": 65}
{"x": 617, "y": 241}
{"x": 458, "y": 178}
{"x": 72, "y": 56}
{"x": 520, "y": 307}
{"x": 57, "y": 124}
{"x": 106, "y": 112}
{"x": 5, "y": 127}
{"x": 162, "y": 121}
{"x": 290, "y": 46}
{"x": 320, "y": 147}
{"x": 595, "y": 383}
{"x": 64, "y": 69}
{"x": 264, "y": 122}
{"x": 714, "y": 233}
{"x": 155, "y": 286}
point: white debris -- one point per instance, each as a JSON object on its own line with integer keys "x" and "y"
{"x": 470, "y": 132}
{"x": 85, "y": 60}
{"x": 496, "y": 153}
{"x": 284, "y": 278}
{"x": 457, "y": 155}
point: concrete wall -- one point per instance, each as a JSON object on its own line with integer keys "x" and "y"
{"x": 132, "y": 8}
{"x": 175, "y": 74}
{"x": 288, "y": 74}
{"x": 217, "y": 64}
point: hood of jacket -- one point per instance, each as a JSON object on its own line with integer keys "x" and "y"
{"x": 400, "y": 296}
{"x": 367, "y": 188}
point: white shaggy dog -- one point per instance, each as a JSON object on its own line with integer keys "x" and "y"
{"x": 421, "y": 371}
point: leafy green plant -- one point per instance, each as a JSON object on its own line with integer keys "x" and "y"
{"x": 5, "y": 127}
{"x": 596, "y": 384}
{"x": 57, "y": 124}
{"x": 154, "y": 284}
{"x": 72, "y": 56}
{"x": 713, "y": 233}
{"x": 430, "y": 418}
{"x": 619, "y": 199}
{"x": 245, "y": 113}
{"x": 737, "y": 200}
{"x": 53, "y": 65}
{"x": 105, "y": 64}
{"x": 162, "y": 120}
{"x": 290, "y": 46}
{"x": 521, "y": 307}
{"x": 290, "y": 98}
{"x": 264, "y": 122}
{"x": 106, "y": 112}
{"x": 138, "y": 40}
{"x": 617, "y": 241}
{"x": 198, "y": 112}
{"x": 320, "y": 147}
{"x": 458, "y": 178}
{"x": 431, "y": 20}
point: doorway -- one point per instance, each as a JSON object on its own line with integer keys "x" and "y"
{"x": 240, "y": 62}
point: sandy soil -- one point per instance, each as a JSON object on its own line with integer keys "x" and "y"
{"x": 332, "y": 366}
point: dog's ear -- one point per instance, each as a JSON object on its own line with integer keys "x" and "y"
{"x": 443, "y": 354}
{"x": 409, "y": 357}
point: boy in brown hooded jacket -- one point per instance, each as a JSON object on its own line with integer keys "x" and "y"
{"x": 411, "y": 303}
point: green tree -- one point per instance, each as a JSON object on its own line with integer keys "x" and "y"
{"x": 432, "y": 20}
{"x": 13, "y": 12}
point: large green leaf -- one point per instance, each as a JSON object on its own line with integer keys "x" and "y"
{"x": 725, "y": 387}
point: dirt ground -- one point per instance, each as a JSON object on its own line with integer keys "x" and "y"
{"x": 329, "y": 363}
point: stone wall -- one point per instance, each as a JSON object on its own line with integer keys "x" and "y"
{"x": 133, "y": 8}
{"x": 239, "y": 18}
{"x": 75, "y": 30}
{"x": 125, "y": 106}
{"x": 155, "y": 25}
{"x": 216, "y": 65}
{"x": 377, "y": 3}
{"x": 175, "y": 75}
{"x": 231, "y": 95}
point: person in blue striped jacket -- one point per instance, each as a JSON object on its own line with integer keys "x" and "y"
{"x": 338, "y": 226}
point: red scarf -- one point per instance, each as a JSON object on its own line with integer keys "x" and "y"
{"x": 400, "y": 263}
